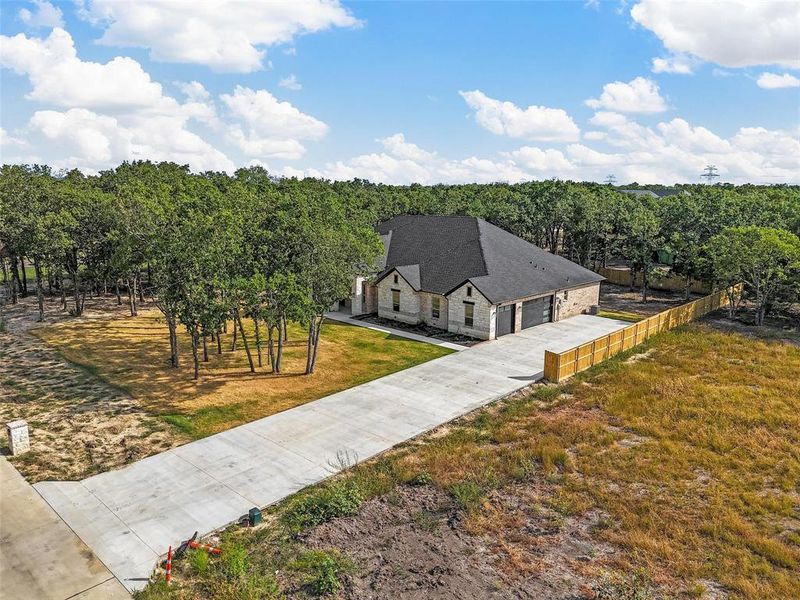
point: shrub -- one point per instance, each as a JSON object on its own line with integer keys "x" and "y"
{"x": 321, "y": 570}
{"x": 423, "y": 478}
{"x": 339, "y": 499}
{"x": 467, "y": 494}
{"x": 198, "y": 561}
{"x": 234, "y": 560}
{"x": 626, "y": 586}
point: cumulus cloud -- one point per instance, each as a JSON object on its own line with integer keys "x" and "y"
{"x": 274, "y": 128}
{"x": 639, "y": 95}
{"x": 398, "y": 147}
{"x": 43, "y": 15}
{"x": 290, "y": 83}
{"x": 531, "y": 123}
{"x": 678, "y": 64}
{"x": 772, "y": 81}
{"x": 226, "y": 35}
{"x": 738, "y": 33}
{"x": 113, "y": 111}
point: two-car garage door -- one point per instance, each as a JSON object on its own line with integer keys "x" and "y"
{"x": 534, "y": 312}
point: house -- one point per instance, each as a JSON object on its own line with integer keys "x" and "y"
{"x": 470, "y": 277}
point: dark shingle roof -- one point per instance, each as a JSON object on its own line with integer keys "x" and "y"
{"x": 439, "y": 253}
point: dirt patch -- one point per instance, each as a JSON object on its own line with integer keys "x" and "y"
{"x": 79, "y": 425}
{"x": 621, "y": 299}
{"x": 414, "y": 543}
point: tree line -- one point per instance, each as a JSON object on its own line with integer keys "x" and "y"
{"x": 211, "y": 249}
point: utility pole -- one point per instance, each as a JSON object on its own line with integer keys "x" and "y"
{"x": 709, "y": 173}
{"x": 611, "y": 179}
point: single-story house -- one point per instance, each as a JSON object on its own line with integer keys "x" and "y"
{"x": 470, "y": 277}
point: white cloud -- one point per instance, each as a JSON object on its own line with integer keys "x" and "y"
{"x": 737, "y": 33}
{"x": 290, "y": 83}
{"x": 677, "y": 64}
{"x": 587, "y": 157}
{"x": 195, "y": 91}
{"x": 274, "y": 127}
{"x": 771, "y": 81}
{"x": 226, "y": 35}
{"x": 639, "y": 95}
{"x": 114, "y": 111}
{"x": 59, "y": 77}
{"x": 532, "y": 123}
{"x": 44, "y": 15}
{"x": 398, "y": 147}
{"x": 8, "y": 140}
{"x": 549, "y": 162}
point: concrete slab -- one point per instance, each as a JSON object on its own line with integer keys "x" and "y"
{"x": 40, "y": 556}
{"x": 130, "y": 516}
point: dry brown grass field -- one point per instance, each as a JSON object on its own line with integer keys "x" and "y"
{"x": 672, "y": 471}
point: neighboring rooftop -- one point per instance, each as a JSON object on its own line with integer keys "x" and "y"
{"x": 439, "y": 253}
{"x": 655, "y": 192}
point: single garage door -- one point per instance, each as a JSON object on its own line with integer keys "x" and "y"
{"x": 505, "y": 319}
{"x": 536, "y": 312}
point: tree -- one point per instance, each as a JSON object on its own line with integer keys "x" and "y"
{"x": 767, "y": 260}
{"x": 642, "y": 240}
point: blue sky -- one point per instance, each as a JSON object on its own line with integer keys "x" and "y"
{"x": 407, "y": 91}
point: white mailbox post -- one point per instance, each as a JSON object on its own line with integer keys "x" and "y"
{"x": 18, "y": 441}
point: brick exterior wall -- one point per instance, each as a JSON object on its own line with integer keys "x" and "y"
{"x": 409, "y": 300}
{"x": 426, "y": 314}
{"x": 577, "y": 301}
{"x": 483, "y": 326}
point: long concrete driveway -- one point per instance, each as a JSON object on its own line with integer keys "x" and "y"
{"x": 130, "y": 516}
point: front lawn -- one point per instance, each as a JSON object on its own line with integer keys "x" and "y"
{"x": 133, "y": 354}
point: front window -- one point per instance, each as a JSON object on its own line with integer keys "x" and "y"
{"x": 469, "y": 314}
{"x": 395, "y": 278}
{"x": 396, "y": 300}
{"x": 469, "y": 291}
{"x": 435, "y": 307}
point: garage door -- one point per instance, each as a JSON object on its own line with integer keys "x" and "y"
{"x": 536, "y": 312}
{"x": 505, "y": 319}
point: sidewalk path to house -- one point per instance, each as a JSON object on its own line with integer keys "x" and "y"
{"x": 129, "y": 517}
{"x": 40, "y": 557}
{"x": 345, "y": 318}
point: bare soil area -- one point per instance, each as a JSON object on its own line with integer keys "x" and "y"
{"x": 79, "y": 425}
{"x": 622, "y": 299}
{"x": 412, "y": 543}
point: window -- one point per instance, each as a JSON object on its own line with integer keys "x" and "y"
{"x": 469, "y": 314}
{"x": 435, "y": 307}
{"x": 469, "y": 291}
{"x": 395, "y": 279}
{"x": 566, "y": 294}
{"x": 396, "y": 300}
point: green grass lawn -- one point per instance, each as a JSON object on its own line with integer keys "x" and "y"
{"x": 133, "y": 354}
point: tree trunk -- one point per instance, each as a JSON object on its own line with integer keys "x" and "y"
{"x": 244, "y": 341}
{"x": 194, "y": 353}
{"x": 63, "y": 293}
{"x": 205, "y": 347}
{"x": 279, "y": 357}
{"x": 138, "y": 282}
{"x": 76, "y": 292}
{"x": 313, "y": 343}
{"x": 116, "y": 290}
{"x": 24, "y": 277}
{"x": 6, "y": 276}
{"x": 644, "y": 287}
{"x": 219, "y": 342}
{"x": 258, "y": 340}
{"x": 131, "y": 298}
{"x": 39, "y": 288}
{"x": 15, "y": 284}
{"x": 270, "y": 347}
{"x": 173, "y": 341}
{"x": 285, "y": 328}
{"x": 688, "y": 288}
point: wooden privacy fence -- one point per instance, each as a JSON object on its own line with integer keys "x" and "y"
{"x": 675, "y": 283}
{"x": 558, "y": 366}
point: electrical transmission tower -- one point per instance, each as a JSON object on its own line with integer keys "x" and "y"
{"x": 611, "y": 179}
{"x": 709, "y": 173}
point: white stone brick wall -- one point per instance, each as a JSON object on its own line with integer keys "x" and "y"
{"x": 425, "y": 310}
{"x": 483, "y": 326}
{"x": 409, "y": 300}
{"x": 577, "y": 300}
{"x": 364, "y": 297}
